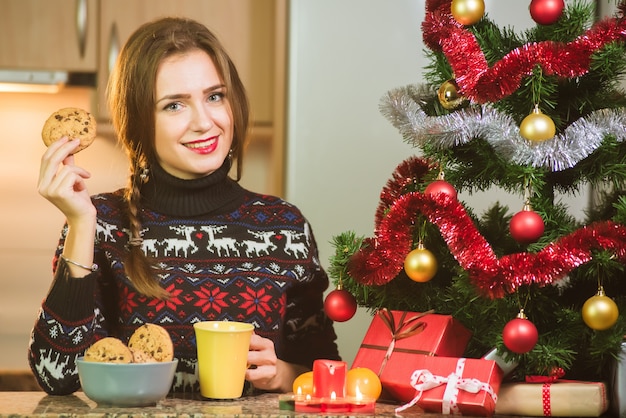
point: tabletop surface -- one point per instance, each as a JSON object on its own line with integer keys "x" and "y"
{"x": 30, "y": 404}
{"x": 37, "y": 404}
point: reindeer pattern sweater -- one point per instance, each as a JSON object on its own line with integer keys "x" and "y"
{"x": 222, "y": 252}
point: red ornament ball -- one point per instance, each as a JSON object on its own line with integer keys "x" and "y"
{"x": 526, "y": 226}
{"x": 340, "y": 305}
{"x": 440, "y": 186}
{"x": 520, "y": 335}
{"x": 546, "y": 12}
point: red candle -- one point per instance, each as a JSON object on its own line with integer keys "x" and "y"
{"x": 329, "y": 379}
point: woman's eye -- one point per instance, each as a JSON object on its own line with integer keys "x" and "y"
{"x": 216, "y": 97}
{"x": 172, "y": 106}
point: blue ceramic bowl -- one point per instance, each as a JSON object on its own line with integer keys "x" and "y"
{"x": 134, "y": 384}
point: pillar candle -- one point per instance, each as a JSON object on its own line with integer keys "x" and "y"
{"x": 329, "y": 379}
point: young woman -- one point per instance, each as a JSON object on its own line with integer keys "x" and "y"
{"x": 183, "y": 242}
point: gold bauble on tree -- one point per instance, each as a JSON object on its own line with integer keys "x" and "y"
{"x": 600, "y": 312}
{"x": 537, "y": 126}
{"x": 467, "y": 12}
{"x": 420, "y": 264}
{"x": 449, "y": 96}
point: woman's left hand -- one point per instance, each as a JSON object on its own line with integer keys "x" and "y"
{"x": 266, "y": 371}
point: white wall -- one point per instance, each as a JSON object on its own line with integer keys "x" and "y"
{"x": 344, "y": 56}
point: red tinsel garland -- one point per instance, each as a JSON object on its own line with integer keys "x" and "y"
{"x": 406, "y": 175}
{"x": 481, "y": 84}
{"x": 381, "y": 258}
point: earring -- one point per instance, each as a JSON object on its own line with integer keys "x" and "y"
{"x": 143, "y": 176}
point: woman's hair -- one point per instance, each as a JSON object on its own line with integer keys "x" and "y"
{"x": 131, "y": 100}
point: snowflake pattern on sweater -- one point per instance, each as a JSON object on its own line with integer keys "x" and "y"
{"x": 255, "y": 262}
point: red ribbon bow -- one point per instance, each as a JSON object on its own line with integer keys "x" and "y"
{"x": 555, "y": 375}
{"x": 546, "y": 398}
{"x": 406, "y": 328}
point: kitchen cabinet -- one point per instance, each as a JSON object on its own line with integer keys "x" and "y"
{"x": 49, "y": 35}
{"x": 253, "y": 32}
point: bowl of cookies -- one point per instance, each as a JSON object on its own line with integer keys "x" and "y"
{"x": 139, "y": 373}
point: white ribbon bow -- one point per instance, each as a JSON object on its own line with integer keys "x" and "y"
{"x": 423, "y": 380}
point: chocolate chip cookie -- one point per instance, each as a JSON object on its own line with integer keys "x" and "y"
{"x": 73, "y": 122}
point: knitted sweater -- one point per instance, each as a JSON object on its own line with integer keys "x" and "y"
{"x": 223, "y": 252}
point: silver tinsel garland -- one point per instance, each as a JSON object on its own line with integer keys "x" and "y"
{"x": 403, "y": 107}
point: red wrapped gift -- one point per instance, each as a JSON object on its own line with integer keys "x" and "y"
{"x": 395, "y": 339}
{"x": 449, "y": 385}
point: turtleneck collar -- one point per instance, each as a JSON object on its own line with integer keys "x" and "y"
{"x": 174, "y": 196}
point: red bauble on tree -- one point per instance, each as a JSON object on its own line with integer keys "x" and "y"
{"x": 546, "y": 12}
{"x": 440, "y": 186}
{"x": 340, "y": 305}
{"x": 526, "y": 226}
{"x": 520, "y": 335}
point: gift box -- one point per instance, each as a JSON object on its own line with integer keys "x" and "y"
{"x": 449, "y": 385}
{"x": 562, "y": 398}
{"x": 395, "y": 339}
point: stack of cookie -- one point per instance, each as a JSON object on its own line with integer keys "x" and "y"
{"x": 150, "y": 343}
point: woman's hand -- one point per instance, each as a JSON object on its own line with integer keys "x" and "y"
{"x": 63, "y": 183}
{"x": 266, "y": 371}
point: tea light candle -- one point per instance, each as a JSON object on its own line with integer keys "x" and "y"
{"x": 307, "y": 404}
{"x": 329, "y": 379}
{"x": 362, "y": 404}
{"x": 334, "y": 404}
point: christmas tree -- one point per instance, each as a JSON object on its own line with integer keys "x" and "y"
{"x": 538, "y": 114}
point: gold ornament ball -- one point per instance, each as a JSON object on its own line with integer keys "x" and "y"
{"x": 467, "y": 12}
{"x": 537, "y": 127}
{"x": 420, "y": 265}
{"x": 600, "y": 312}
{"x": 449, "y": 96}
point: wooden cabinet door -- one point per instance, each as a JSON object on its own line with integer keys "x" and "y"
{"x": 246, "y": 27}
{"x": 49, "y": 34}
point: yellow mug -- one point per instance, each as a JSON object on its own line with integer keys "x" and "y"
{"x": 222, "y": 357}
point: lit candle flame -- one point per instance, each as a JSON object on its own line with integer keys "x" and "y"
{"x": 357, "y": 394}
{"x": 333, "y": 395}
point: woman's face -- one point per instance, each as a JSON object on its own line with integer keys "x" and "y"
{"x": 194, "y": 121}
